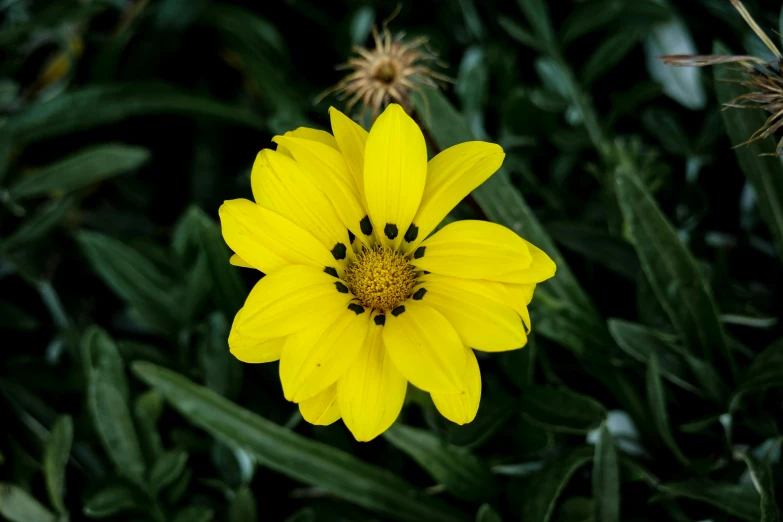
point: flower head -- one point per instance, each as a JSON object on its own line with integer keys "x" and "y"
{"x": 360, "y": 297}
{"x": 387, "y": 73}
{"x": 765, "y": 79}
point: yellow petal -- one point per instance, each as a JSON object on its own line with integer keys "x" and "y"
{"x": 267, "y": 240}
{"x": 238, "y": 261}
{"x": 329, "y": 171}
{"x": 462, "y": 408}
{"x": 280, "y": 185}
{"x": 476, "y": 310}
{"x": 285, "y": 302}
{"x": 251, "y": 349}
{"x": 321, "y": 409}
{"x": 395, "y": 170}
{"x": 518, "y": 296}
{"x": 478, "y": 250}
{"x": 425, "y": 348}
{"x": 452, "y": 175}
{"x": 351, "y": 140}
{"x": 308, "y": 134}
{"x": 316, "y": 357}
{"x": 371, "y": 392}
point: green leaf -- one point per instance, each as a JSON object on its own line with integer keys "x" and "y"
{"x": 473, "y": 80}
{"x": 740, "y": 500}
{"x": 111, "y": 500}
{"x": 55, "y": 459}
{"x": 672, "y": 271}
{"x": 80, "y": 169}
{"x": 243, "y": 506}
{"x": 641, "y": 342}
{"x": 657, "y": 402}
{"x": 166, "y": 469}
{"x": 146, "y": 412}
{"x": 76, "y": 110}
{"x": 303, "y": 515}
{"x": 286, "y": 452}
{"x": 682, "y": 84}
{"x": 518, "y": 33}
{"x": 496, "y": 409}
{"x": 765, "y": 173}
{"x": 44, "y": 221}
{"x": 576, "y": 509}
{"x": 194, "y": 514}
{"x": 606, "y": 479}
{"x": 113, "y": 422}
{"x": 539, "y": 495}
{"x": 99, "y": 352}
{"x": 16, "y": 505}
{"x": 586, "y": 17}
{"x": 561, "y": 409}
{"x": 765, "y": 372}
{"x": 133, "y": 278}
{"x": 608, "y": 54}
{"x": 538, "y": 16}
{"x": 763, "y": 481}
{"x": 487, "y": 514}
{"x": 464, "y": 475}
{"x": 667, "y": 129}
{"x": 597, "y": 246}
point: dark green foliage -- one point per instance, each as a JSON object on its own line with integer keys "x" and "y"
{"x": 652, "y": 385}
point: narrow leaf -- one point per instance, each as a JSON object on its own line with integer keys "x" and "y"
{"x": 672, "y": 272}
{"x": 561, "y": 409}
{"x": 99, "y": 352}
{"x": 464, "y": 475}
{"x": 657, "y": 402}
{"x": 740, "y": 500}
{"x": 606, "y": 479}
{"x": 166, "y": 469}
{"x": 109, "y": 501}
{"x": 487, "y": 514}
{"x": 194, "y": 513}
{"x": 80, "y": 169}
{"x": 113, "y": 422}
{"x": 55, "y": 460}
{"x": 16, "y": 505}
{"x": 286, "y": 452}
{"x": 765, "y": 372}
{"x": 76, "y": 110}
{"x": 682, "y": 84}
{"x": 765, "y": 173}
{"x": 243, "y": 506}
{"x": 539, "y": 495}
{"x": 761, "y": 473}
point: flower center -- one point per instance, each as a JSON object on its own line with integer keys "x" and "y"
{"x": 380, "y": 278}
{"x": 386, "y": 72}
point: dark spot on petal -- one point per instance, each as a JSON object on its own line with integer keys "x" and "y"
{"x": 339, "y": 251}
{"x": 390, "y": 230}
{"x": 425, "y": 272}
{"x": 355, "y": 308}
{"x": 351, "y": 236}
{"x": 419, "y": 253}
{"x": 341, "y": 287}
{"x": 331, "y": 271}
{"x": 412, "y": 233}
{"x": 380, "y": 320}
{"x": 397, "y": 311}
{"x": 365, "y": 225}
{"x": 419, "y": 294}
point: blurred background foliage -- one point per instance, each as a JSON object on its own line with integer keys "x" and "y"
{"x": 651, "y": 389}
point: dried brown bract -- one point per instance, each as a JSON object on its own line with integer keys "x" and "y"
{"x": 765, "y": 79}
{"x": 387, "y": 73}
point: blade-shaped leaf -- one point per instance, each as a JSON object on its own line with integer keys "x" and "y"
{"x": 765, "y": 372}
{"x": 561, "y": 409}
{"x": 243, "y": 507}
{"x": 166, "y": 469}
{"x": 80, "y": 169}
{"x": 55, "y": 459}
{"x": 111, "y": 500}
{"x": 77, "y": 110}
{"x": 740, "y": 500}
{"x": 112, "y": 420}
{"x": 672, "y": 271}
{"x": 99, "y": 352}
{"x": 487, "y": 514}
{"x": 539, "y": 496}
{"x": 286, "y": 452}
{"x": 765, "y": 173}
{"x": 16, "y": 505}
{"x": 606, "y": 479}
{"x": 657, "y": 401}
{"x": 761, "y": 473}
{"x": 463, "y": 474}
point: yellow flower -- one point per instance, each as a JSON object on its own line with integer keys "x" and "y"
{"x": 358, "y": 297}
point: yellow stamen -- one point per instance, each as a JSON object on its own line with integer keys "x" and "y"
{"x": 380, "y": 278}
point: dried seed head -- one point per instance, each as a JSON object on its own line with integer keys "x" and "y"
{"x": 765, "y": 79}
{"x": 387, "y": 73}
